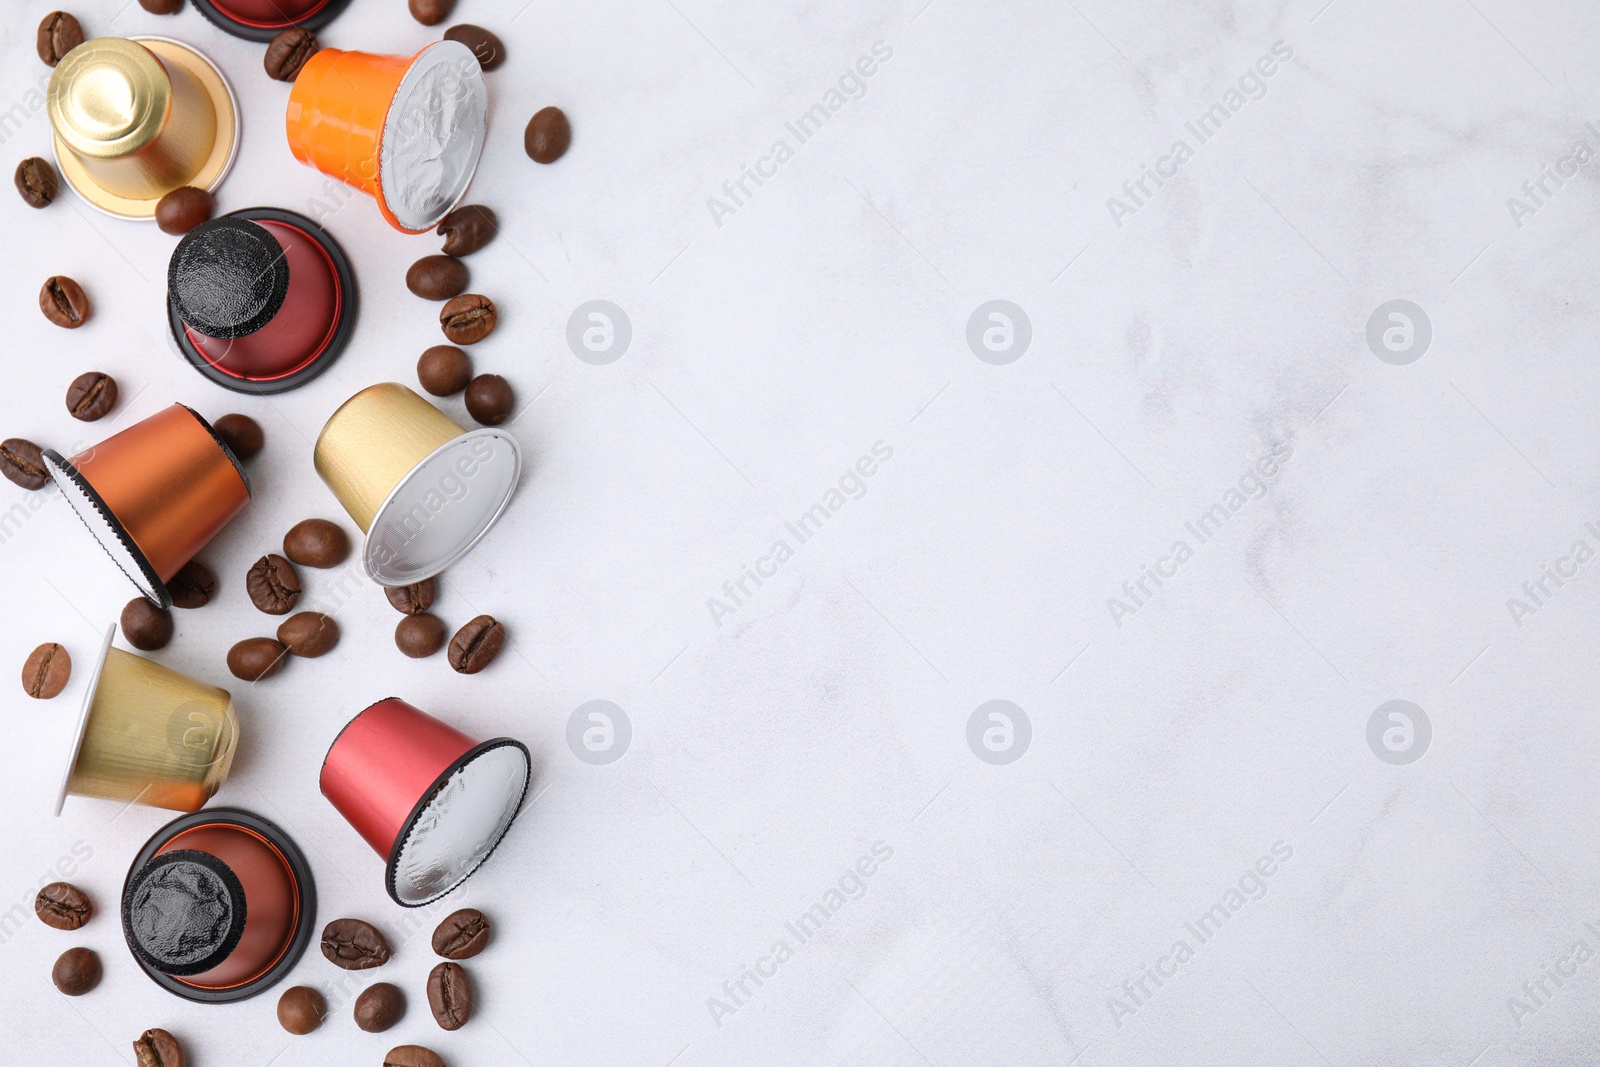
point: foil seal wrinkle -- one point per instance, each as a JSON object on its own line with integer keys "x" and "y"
{"x": 185, "y": 912}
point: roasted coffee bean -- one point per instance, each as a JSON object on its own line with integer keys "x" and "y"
{"x": 193, "y": 586}
{"x": 256, "y": 658}
{"x": 412, "y": 1056}
{"x": 59, "y": 33}
{"x": 490, "y": 399}
{"x": 183, "y": 209}
{"x": 146, "y": 626}
{"x": 412, "y": 599}
{"x": 76, "y": 972}
{"x": 485, "y": 45}
{"x": 431, "y": 12}
{"x": 547, "y": 136}
{"x": 316, "y": 543}
{"x": 36, "y": 182}
{"x": 300, "y": 1009}
{"x": 437, "y": 277}
{"x": 64, "y": 302}
{"x": 288, "y": 52}
{"x": 476, "y": 645}
{"x": 46, "y": 670}
{"x": 379, "y": 1007}
{"x": 468, "y": 319}
{"x": 467, "y": 229}
{"x": 450, "y": 996}
{"x": 354, "y": 945}
{"x": 273, "y": 584}
{"x": 63, "y": 906}
{"x": 157, "y": 1048}
{"x": 91, "y": 396}
{"x": 419, "y": 636}
{"x": 444, "y": 370}
{"x": 162, "y": 7}
{"x": 241, "y": 434}
{"x": 22, "y": 463}
{"x": 462, "y": 935}
{"x": 309, "y": 634}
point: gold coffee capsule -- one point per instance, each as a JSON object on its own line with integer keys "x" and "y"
{"x": 135, "y": 118}
{"x": 149, "y": 735}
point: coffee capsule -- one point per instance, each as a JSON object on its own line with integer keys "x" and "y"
{"x": 406, "y": 130}
{"x": 134, "y": 118}
{"x": 430, "y": 800}
{"x": 148, "y": 735}
{"x": 218, "y": 906}
{"x": 154, "y": 494}
{"x": 423, "y": 489}
{"x": 262, "y": 20}
{"x": 260, "y": 301}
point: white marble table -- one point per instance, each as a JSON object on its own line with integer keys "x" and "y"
{"x": 1184, "y": 758}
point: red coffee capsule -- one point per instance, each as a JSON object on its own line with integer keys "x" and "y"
{"x": 430, "y": 800}
{"x": 262, "y": 20}
{"x": 260, "y": 301}
{"x": 218, "y": 906}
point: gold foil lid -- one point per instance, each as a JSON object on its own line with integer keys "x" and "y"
{"x": 109, "y": 98}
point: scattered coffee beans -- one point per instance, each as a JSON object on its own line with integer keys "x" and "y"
{"x": 309, "y": 634}
{"x": 462, "y": 935}
{"x": 64, "y": 302}
{"x": 91, "y": 396}
{"x": 162, "y": 7}
{"x": 449, "y": 996}
{"x": 288, "y": 52}
{"x": 193, "y": 586}
{"x": 547, "y": 136}
{"x": 300, "y": 1009}
{"x": 476, "y": 645}
{"x": 412, "y": 599}
{"x": 146, "y": 626}
{"x": 485, "y": 45}
{"x": 467, "y": 229}
{"x": 379, "y": 1007}
{"x": 46, "y": 670}
{"x": 316, "y": 543}
{"x": 437, "y": 277}
{"x": 468, "y": 319}
{"x": 431, "y": 12}
{"x": 183, "y": 209}
{"x": 419, "y": 636}
{"x": 76, "y": 972}
{"x": 490, "y": 400}
{"x": 444, "y": 370}
{"x": 36, "y": 182}
{"x": 273, "y": 584}
{"x": 157, "y": 1048}
{"x": 412, "y": 1056}
{"x": 354, "y": 945}
{"x": 256, "y": 658}
{"x": 59, "y": 33}
{"x": 241, "y": 434}
{"x": 23, "y": 464}
{"x": 63, "y": 906}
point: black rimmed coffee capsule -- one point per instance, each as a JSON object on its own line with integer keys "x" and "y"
{"x": 262, "y": 20}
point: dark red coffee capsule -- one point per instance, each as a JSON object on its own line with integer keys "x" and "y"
{"x": 260, "y": 300}
{"x": 262, "y": 20}
{"x": 218, "y": 906}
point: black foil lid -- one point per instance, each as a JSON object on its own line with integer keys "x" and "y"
{"x": 228, "y": 278}
{"x": 183, "y": 912}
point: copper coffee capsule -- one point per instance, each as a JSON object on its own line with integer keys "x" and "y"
{"x": 260, "y": 300}
{"x": 262, "y": 20}
{"x": 218, "y": 906}
{"x": 154, "y": 494}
